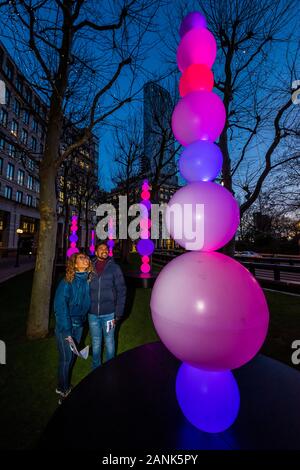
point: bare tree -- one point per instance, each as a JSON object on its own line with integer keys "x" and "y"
{"x": 73, "y": 47}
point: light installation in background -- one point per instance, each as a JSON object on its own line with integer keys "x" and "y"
{"x": 110, "y": 242}
{"x": 92, "y": 245}
{"x": 73, "y": 237}
{"x": 208, "y": 310}
{"x": 145, "y": 246}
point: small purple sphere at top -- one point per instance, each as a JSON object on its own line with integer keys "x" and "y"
{"x": 195, "y": 19}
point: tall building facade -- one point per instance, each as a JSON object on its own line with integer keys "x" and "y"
{"x": 158, "y": 140}
{"x": 23, "y": 118}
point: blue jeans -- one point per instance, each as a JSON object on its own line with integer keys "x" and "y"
{"x": 98, "y": 324}
{"x": 66, "y": 357}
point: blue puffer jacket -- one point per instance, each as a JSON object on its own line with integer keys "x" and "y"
{"x": 108, "y": 291}
{"x": 71, "y": 303}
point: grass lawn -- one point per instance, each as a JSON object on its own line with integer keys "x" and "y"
{"x": 28, "y": 381}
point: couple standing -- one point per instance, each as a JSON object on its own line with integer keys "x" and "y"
{"x": 96, "y": 289}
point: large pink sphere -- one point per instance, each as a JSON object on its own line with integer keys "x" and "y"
{"x": 200, "y": 115}
{"x": 207, "y": 227}
{"x": 209, "y": 311}
{"x": 198, "y": 46}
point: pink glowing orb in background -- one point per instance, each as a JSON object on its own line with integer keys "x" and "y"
{"x": 145, "y": 268}
{"x": 198, "y": 46}
{"x": 145, "y": 259}
{"x": 200, "y": 115}
{"x": 193, "y": 20}
{"x": 200, "y": 161}
{"x": 214, "y": 222}
{"x": 197, "y": 77}
{"x": 209, "y": 311}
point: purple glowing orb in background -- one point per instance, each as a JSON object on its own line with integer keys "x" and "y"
{"x": 199, "y": 115}
{"x": 201, "y": 161}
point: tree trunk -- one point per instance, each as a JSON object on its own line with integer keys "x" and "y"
{"x": 38, "y": 319}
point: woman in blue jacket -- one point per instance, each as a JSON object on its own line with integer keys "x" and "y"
{"x": 71, "y": 305}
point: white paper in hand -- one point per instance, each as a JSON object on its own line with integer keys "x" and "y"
{"x": 84, "y": 353}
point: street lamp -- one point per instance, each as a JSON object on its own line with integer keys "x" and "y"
{"x": 19, "y": 232}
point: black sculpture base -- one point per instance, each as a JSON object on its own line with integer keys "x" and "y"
{"x": 130, "y": 403}
{"x": 138, "y": 279}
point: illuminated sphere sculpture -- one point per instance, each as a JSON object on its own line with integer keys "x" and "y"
{"x": 197, "y": 77}
{"x": 217, "y": 216}
{"x": 200, "y": 161}
{"x": 193, "y": 20}
{"x": 221, "y": 320}
{"x": 200, "y": 115}
{"x": 209, "y": 400}
{"x": 208, "y": 310}
{"x": 198, "y": 46}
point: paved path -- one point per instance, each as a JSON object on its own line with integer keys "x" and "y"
{"x": 8, "y": 269}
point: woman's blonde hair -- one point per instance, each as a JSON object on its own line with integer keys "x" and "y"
{"x": 71, "y": 266}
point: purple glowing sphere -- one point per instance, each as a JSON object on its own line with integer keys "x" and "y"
{"x": 199, "y": 115}
{"x": 73, "y": 238}
{"x": 145, "y": 247}
{"x": 202, "y": 216}
{"x": 209, "y": 400}
{"x": 192, "y": 20}
{"x": 110, "y": 243}
{"x": 201, "y": 161}
{"x": 209, "y": 311}
{"x": 198, "y": 46}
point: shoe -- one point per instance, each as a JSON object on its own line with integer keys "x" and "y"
{"x": 63, "y": 395}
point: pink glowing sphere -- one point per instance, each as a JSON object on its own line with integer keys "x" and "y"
{"x": 71, "y": 251}
{"x": 221, "y": 320}
{"x": 193, "y": 20}
{"x": 145, "y": 268}
{"x": 145, "y": 195}
{"x": 199, "y": 115}
{"x": 200, "y": 161}
{"x": 145, "y": 259}
{"x": 198, "y": 46}
{"x": 197, "y": 77}
{"x": 202, "y": 216}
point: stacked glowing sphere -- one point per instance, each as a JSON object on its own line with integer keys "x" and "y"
{"x": 73, "y": 237}
{"x": 110, "y": 242}
{"x": 92, "y": 245}
{"x": 207, "y": 308}
{"x": 145, "y": 246}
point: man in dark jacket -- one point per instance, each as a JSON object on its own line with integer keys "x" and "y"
{"x": 108, "y": 295}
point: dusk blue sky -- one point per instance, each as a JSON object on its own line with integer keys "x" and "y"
{"x": 154, "y": 65}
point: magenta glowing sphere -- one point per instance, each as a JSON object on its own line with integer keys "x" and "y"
{"x": 145, "y": 259}
{"x": 201, "y": 161}
{"x": 145, "y": 195}
{"x": 71, "y": 251}
{"x": 197, "y": 77}
{"x": 198, "y": 46}
{"x": 209, "y": 400}
{"x": 200, "y": 115}
{"x": 73, "y": 244}
{"x": 145, "y": 247}
{"x": 195, "y": 19}
{"x": 202, "y": 216}
{"x": 145, "y": 268}
{"x": 209, "y": 311}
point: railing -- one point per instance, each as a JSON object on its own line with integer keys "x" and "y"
{"x": 285, "y": 276}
